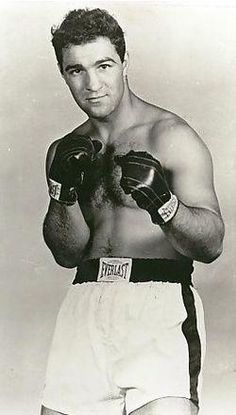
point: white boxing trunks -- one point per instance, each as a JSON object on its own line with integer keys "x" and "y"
{"x": 119, "y": 345}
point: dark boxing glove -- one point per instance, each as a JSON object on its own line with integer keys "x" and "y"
{"x": 143, "y": 177}
{"x": 73, "y": 157}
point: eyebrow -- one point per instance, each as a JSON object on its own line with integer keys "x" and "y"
{"x": 104, "y": 60}
{"x": 98, "y": 62}
{"x": 75, "y": 66}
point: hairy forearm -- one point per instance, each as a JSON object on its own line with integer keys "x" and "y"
{"x": 196, "y": 233}
{"x": 65, "y": 233}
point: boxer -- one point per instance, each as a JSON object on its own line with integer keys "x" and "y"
{"x": 132, "y": 205}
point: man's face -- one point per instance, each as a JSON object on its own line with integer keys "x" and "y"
{"x": 95, "y": 75}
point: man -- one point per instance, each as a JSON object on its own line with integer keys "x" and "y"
{"x": 132, "y": 205}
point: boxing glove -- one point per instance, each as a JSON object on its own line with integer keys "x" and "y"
{"x": 73, "y": 157}
{"x": 143, "y": 177}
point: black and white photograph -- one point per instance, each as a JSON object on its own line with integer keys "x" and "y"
{"x": 118, "y": 207}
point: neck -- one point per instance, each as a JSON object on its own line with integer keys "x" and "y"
{"x": 111, "y": 126}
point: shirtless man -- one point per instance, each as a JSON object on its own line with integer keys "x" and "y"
{"x": 132, "y": 204}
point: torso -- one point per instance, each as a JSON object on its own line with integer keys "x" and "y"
{"x": 118, "y": 226}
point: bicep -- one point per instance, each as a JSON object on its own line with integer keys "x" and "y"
{"x": 192, "y": 174}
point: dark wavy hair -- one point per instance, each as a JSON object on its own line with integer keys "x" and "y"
{"x": 82, "y": 26}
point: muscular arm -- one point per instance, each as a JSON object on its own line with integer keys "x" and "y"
{"x": 65, "y": 230}
{"x": 197, "y": 230}
{"x": 196, "y": 233}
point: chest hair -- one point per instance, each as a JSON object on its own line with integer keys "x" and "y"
{"x": 101, "y": 183}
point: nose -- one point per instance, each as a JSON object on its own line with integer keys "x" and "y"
{"x": 93, "y": 82}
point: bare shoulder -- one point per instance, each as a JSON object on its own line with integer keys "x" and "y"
{"x": 169, "y": 128}
{"x": 177, "y": 143}
{"x": 185, "y": 159}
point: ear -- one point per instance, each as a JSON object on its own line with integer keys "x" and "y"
{"x": 125, "y": 64}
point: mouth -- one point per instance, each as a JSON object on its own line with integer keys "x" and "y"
{"x": 95, "y": 99}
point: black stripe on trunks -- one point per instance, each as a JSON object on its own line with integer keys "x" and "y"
{"x": 190, "y": 331}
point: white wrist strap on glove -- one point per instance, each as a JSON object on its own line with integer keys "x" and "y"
{"x": 169, "y": 209}
{"x": 54, "y": 189}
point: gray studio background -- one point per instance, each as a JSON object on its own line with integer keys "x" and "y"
{"x": 183, "y": 57}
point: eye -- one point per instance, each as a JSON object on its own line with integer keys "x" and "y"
{"x": 76, "y": 71}
{"x": 104, "y": 66}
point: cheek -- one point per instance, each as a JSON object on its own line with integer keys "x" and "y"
{"x": 76, "y": 90}
{"x": 74, "y": 84}
{"x": 118, "y": 86}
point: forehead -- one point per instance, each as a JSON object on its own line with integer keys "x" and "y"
{"x": 90, "y": 52}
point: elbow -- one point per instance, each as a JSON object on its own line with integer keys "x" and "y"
{"x": 212, "y": 255}
{"x": 65, "y": 261}
{"x": 214, "y": 248}
{"x": 66, "y": 255}
{"x": 62, "y": 256}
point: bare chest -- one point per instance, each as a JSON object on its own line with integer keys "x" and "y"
{"x": 101, "y": 186}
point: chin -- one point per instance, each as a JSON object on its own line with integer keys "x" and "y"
{"x": 99, "y": 113}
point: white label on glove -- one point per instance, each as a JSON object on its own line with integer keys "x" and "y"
{"x": 114, "y": 269}
{"x": 169, "y": 209}
{"x": 54, "y": 189}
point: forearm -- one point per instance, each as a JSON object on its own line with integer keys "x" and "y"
{"x": 65, "y": 233}
{"x": 196, "y": 233}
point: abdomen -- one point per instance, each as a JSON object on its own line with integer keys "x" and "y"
{"x": 129, "y": 232}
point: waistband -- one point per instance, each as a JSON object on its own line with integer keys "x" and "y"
{"x": 140, "y": 270}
